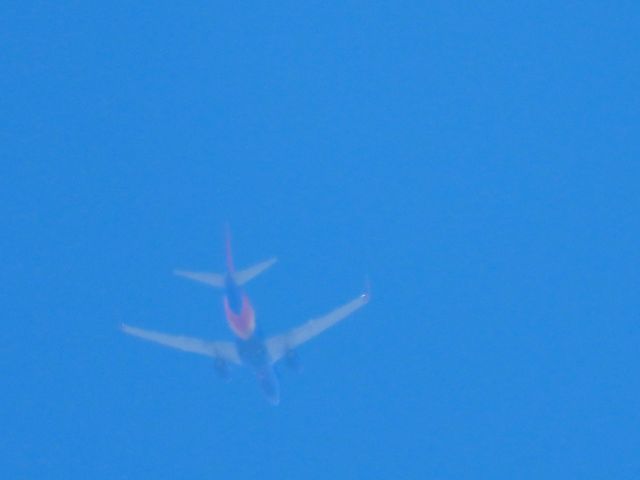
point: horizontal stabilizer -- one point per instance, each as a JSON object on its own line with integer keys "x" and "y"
{"x": 213, "y": 279}
{"x": 243, "y": 276}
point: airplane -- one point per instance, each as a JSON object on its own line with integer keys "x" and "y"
{"x": 250, "y": 348}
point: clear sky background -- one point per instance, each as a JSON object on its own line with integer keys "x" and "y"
{"x": 479, "y": 162}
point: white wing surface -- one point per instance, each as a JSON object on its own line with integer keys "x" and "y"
{"x": 218, "y": 279}
{"x": 243, "y": 276}
{"x": 213, "y": 279}
{"x": 223, "y": 350}
{"x": 279, "y": 345}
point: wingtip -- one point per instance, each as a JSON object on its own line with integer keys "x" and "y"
{"x": 366, "y": 295}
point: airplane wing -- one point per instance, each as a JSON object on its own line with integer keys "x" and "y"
{"x": 279, "y": 345}
{"x": 223, "y": 350}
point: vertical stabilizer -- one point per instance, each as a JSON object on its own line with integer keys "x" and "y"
{"x": 228, "y": 253}
{"x": 219, "y": 279}
{"x": 242, "y": 276}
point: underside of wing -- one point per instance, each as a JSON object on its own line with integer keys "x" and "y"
{"x": 279, "y": 345}
{"x": 223, "y": 350}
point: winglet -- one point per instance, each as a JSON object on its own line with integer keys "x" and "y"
{"x": 366, "y": 295}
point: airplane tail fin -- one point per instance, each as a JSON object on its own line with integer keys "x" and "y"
{"x": 227, "y": 249}
{"x": 218, "y": 279}
{"x": 243, "y": 276}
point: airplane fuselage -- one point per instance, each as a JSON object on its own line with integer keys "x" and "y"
{"x": 250, "y": 344}
{"x": 241, "y": 317}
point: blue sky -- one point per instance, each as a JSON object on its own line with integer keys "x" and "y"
{"x": 478, "y": 162}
